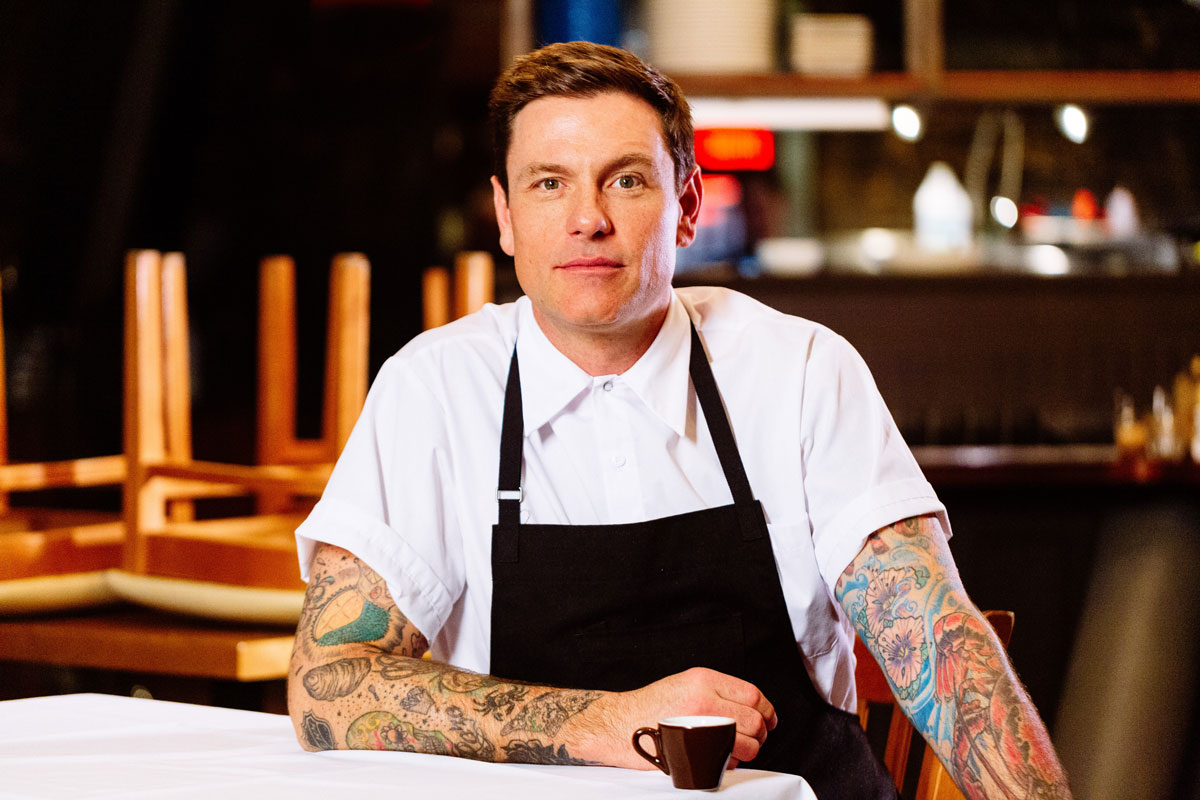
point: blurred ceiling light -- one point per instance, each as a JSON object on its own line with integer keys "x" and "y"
{"x": 878, "y": 244}
{"x": 907, "y": 123}
{"x": 1074, "y": 122}
{"x": 791, "y": 113}
{"x": 1004, "y": 211}
{"x": 1046, "y": 259}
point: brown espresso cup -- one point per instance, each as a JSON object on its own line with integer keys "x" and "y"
{"x": 692, "y": 750}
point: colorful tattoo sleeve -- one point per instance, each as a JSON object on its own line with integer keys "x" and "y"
{"x": 359, "y": 681}
{"x": 946, "y": 666}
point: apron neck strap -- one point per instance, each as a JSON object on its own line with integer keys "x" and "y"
{"x": 718, "y": 422}
{"x": 512, "y": 432}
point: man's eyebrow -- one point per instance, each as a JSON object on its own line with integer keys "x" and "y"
{"x": 630, "y": 160}
{"x": 539, "y": 168}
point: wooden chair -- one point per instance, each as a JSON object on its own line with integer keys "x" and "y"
{"x": 54, "y": 558}
{"x": 473, "y": 286}
{"x": 874, "y": 691}
{"x": 234, "y": 567}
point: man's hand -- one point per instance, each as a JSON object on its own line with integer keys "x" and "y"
{"x": 698, "y": 691}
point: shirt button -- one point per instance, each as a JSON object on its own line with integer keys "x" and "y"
{"x": 618, "y": 461}
{"x": 608, "y": 386}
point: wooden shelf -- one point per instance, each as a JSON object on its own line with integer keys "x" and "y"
{"x": 1107, "y": 87}
{"x": 886, "y": 85}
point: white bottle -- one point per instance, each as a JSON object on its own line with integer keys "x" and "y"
{"x": 942, "y": 211}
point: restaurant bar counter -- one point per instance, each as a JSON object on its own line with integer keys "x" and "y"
{"x": 101, "y": 746}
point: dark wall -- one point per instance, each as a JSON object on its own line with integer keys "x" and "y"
{"x": 229, "y": 131}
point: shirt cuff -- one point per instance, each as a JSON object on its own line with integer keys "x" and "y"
{"x": 417, "y": 590}
{"x": 846, "y": 533}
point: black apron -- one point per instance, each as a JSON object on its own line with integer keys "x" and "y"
{"x": 616, "y": 607}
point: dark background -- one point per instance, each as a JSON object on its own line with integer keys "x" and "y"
{"x": 227, "y": 130}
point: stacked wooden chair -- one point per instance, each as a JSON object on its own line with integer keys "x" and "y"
{"x": 244, "y": 567}
{"x": 156, "y": 552}
{"x": 54, "y": 558}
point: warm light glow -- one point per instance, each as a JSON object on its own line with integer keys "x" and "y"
{"x": 791, "y": 113}
{"x": 878, "y": 244}
{"x": 721, "y": 190}
{"x": 1004, "y": 211}
{"x": 1074, "y": 122}
{"x": 1046, "y": 259}
{"x": 737, "y": 149}
{"x": 907, "y": 123}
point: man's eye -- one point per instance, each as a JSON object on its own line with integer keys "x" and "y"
{"x": 549, "y": 183}
{"x": 627, "y": 182}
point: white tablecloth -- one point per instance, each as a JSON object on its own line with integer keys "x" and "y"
{"x": 90, "y": 746}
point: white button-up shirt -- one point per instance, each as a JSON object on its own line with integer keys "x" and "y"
{"x": 414, "y": 493}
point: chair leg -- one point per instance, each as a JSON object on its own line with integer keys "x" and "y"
{"x": 347, "y": 349}
{"x": 899, "y": 740}
{"x": 276, "y": 369}
{"x": 435, "y": 295}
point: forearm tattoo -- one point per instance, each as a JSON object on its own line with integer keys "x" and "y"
{"x": 360, "y": 682}
{"x": 946, "y": 666}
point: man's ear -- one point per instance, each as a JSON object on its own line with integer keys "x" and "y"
{"x": 690, "y": 198}
{"x": 503, "y": 216}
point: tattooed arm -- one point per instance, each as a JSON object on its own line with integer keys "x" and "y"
{"x": 358, "y": 681}
{"x": 946, "y": 666}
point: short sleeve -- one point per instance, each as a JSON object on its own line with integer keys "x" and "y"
{"x": 388, "y": 502}
{"x": 859, "y": 475}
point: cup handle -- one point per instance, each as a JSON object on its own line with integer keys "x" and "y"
{"x": 653, "y": 759}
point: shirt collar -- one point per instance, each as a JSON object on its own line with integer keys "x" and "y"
{"x": 660, "y": 376}
{"x": 550, "y": 380}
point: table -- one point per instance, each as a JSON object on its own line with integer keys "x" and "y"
{"x": 142, "y": 640}
{"x": 105, "y": 746}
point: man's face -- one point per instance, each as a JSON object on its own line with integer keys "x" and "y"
{"x": 592, "y": 217}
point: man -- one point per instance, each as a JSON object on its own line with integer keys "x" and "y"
{"x": 698, "y": 497}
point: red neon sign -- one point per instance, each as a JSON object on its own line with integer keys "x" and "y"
{"x": 735, "y": 149}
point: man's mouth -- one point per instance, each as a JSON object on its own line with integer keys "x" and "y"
{"x": 589, "y": 262}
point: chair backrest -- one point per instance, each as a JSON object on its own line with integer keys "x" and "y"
{"x": 875, "y": 691}
{"x": 473, "y": 286}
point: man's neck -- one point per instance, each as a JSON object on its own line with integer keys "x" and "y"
{"x": 603, "y": 351}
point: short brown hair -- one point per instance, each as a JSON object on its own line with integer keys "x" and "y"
{"x": 584, "y": 69}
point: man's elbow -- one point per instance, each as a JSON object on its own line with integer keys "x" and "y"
{"x": 313, "y": 731}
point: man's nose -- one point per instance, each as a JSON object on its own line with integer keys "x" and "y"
{"x": 589, "y": 216}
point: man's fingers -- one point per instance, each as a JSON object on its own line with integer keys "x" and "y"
{"x": 745, "y": 748}
{"x": 747, "y": 694}
{"x": 749, "y": 722}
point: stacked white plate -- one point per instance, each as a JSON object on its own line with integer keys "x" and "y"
{"x": 834, "y": 45}
{"x": 711, "y": 36}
